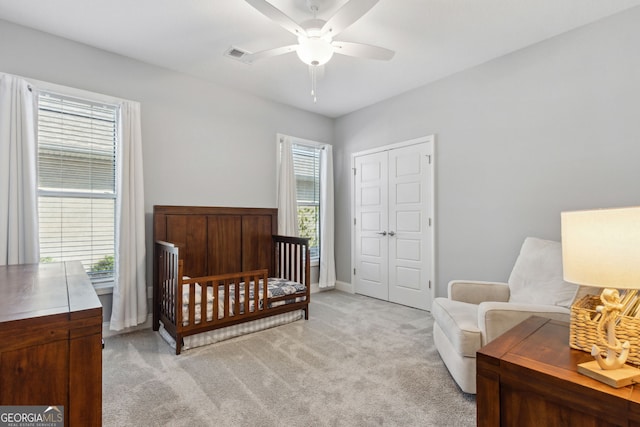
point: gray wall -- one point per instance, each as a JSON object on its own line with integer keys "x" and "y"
{"x": 203, "y": 144}
{"x": 197, "y": 136}
{"x": 519, "y": 139}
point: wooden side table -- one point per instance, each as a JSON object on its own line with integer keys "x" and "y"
{"x": 529, "y": 377}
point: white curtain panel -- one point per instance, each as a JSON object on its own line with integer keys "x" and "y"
{"x": 18, "y": 173}
{"x": 130, "y": 289}
{"x": 287, "y": 205}
{"x": 327, "y": 277}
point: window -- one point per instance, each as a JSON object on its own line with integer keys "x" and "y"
{"x": 306, "y": 167}
{"x": 77, "y": 142}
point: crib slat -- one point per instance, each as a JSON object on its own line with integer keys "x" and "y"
{"x": 204, "y": 307}
{"x": 292, "y": 261}
{"x": 226, "y": 299}
{"x": 216, "y": 300}
{"x": 244, "y": 290}
{"x": 168, "y": 288}
{"x": 265, "y": 292}
{"x": 164, "y": 295}
{"x": 177, "y": 292}
{"x": 192, "y": 303}
{"x": 256, "y": 284}
{"x": 297, "y": 266}
{"x": 236, "y": 298}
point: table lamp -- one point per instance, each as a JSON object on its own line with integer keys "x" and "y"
{"x": 601, "y": 248}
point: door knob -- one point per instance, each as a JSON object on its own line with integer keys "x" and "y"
{"x": 384, "y": 233}
{"x": 392, "y": 233}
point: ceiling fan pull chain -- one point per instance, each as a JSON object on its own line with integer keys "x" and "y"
{"x": 312, "y": 72}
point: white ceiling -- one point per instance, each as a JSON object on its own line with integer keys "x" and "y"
{"x": 431, "y": 38}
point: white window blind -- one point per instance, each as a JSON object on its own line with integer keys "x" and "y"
{"x": 77, "y": 182}
{"x": 306, "y": 167}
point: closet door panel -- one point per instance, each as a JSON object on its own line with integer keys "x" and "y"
{"x": 409, "y": 226}
{"x": 371, "y": 219}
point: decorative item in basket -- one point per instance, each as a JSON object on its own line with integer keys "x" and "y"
{"x": 584, "y": 327}
{"x": 601, "y": 248}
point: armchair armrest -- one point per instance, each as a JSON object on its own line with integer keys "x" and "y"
{"x": 495, "y": 318}
{"x": 475, "y": 292}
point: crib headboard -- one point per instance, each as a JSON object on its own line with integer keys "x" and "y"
{"x": 218, "y": 240}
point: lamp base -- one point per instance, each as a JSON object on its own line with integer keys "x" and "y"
{"x": 616, "y": 378}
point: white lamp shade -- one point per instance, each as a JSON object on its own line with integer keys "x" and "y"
{"x": 601, "y": 248}
{"x": 314, "y": 50}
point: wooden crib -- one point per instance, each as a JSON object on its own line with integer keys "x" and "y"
{"x": 217, "y": 267}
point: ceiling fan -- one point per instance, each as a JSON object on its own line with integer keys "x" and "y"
{"x": 315, "y": 45}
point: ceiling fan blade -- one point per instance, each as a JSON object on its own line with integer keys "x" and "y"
{"x": 347, "y": 15}
{"x": 276, "y": 15}
{"x": 253, "y": 57}
{"x": 362, "y": 50}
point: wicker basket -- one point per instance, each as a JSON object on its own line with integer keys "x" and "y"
{"x": 583, "y": 329}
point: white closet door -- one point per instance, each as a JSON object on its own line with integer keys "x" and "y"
{"x": 409, "y": 230}
{"x": 371, "y": 213}
{"x": 393, "y": 237}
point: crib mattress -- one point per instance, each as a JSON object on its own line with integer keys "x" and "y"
{"x": 276, "y": 287}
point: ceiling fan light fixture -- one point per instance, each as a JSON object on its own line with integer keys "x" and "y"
{"x": 314, "y": 50}
{"x": 315, "y": 36}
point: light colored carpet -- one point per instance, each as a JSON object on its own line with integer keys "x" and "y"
{"x": 357, "y": 361}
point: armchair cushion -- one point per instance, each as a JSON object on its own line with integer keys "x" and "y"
{"x": 476, "y": 291}
{"x": 536, "y": 277}
{"x": 459, "y": 323}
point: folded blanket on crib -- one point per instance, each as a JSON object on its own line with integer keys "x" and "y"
{"x": 275, "y": 288}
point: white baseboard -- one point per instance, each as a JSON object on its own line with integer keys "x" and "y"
{"x": 345, "y": 287}
{"x": 106, "y": 332}
{"x": 339, "y": 286}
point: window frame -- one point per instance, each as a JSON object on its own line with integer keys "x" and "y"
{"x": 315, "y": 260}
{"x": 314, "y": 204}
{"x": 102, "y": 285}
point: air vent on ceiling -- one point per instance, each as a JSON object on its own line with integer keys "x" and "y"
{"x": 237, "y": 54}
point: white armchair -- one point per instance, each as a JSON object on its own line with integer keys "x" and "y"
{"x": 475, "y": 313}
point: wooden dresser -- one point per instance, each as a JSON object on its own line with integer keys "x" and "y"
{"x": 529, "y": 377}
{"x": 51, "y": 340}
